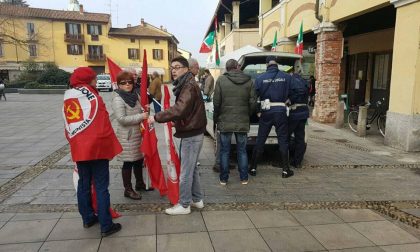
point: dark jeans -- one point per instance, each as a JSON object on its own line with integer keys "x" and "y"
{"x": 217, "y": 152}
{"x": 241, "y": 139}
{"x": 297, "y": 127}
{"x": 99, "y": 171}
{"x": 279, "y": 121}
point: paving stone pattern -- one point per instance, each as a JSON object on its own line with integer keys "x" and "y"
{"x": 340, "y": 171}
{"x": 210, "y": 231}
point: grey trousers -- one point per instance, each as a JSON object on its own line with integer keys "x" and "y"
{"x": 189, "y": 179}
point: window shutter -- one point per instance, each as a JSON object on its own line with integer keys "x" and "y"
{"x": 100, "y": 29}
{"x": 69, "y": 49}
{"x": 88, "y": 29}
{"x": 79, "y": 29}
{"x": 67, "y": 28}
{"x": 129, "y": 56}
{"x": 138, "y": 53}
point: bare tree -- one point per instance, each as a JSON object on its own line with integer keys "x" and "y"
{"x": 15, "y": 2}
{"x": 9, "y": 33}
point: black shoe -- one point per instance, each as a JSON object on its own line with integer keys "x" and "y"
{"x": 253, "y": 172}
{"x": 91, "y": 223}
{"x": 114, "y": 228}
{"x": 287, "y": 173}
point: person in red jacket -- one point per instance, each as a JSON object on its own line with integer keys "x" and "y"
{"x": 92, "y": 143}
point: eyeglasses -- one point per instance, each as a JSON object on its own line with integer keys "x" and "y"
{"x": 176, "y": 67}
{"x": 126, "y": 82}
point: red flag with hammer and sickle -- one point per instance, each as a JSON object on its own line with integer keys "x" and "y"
{"x": 72, "y": 110}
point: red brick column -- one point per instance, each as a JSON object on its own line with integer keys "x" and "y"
{"x": 327, "y": 71}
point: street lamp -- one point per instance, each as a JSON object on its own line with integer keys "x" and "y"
{"x": 224, "y": 23}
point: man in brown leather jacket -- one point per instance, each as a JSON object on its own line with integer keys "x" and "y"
{"x": 189, "y": 116}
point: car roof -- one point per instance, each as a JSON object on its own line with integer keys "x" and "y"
{"x": 282, "y": 58}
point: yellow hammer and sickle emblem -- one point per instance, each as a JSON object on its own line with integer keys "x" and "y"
{"x": 74, "y": 114}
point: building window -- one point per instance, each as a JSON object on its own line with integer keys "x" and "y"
{"x": 133, "y": 40}
{"x": 74, "y": 49}
{"x": 95, "y": 50}
{"x": 1, "y": 50}
{"x": 32, "y": 50}
{"x": 74, "y": 29}
{"x": 157, "y": 41}
{"x": 158, "y": 54}
{"x": 274, "y": 3}
{"x": 381, "y": 73}
{"x": 94, "y": 29}
{"x": 133, "y": 53}
{"x": 31, "y": 29}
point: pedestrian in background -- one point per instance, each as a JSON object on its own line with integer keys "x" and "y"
{"x": 272, "y": 87}
{"x": 312, "y": 90}
{"x": 208, "y": 84}
{"x": 129, "y": 114}
{"x": 189, "y": 116}
{"x": 2, "y": 90}
{"x": 155, "y": 91}
{"x": 194, "y": 67}
{"x": 299, "y": 114}
{"x": 234, "y": 102}
{"x": 92, "y": 144}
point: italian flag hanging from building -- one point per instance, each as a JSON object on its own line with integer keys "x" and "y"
{"x": 299, "y": 41}
{"x": 208, "y": 42}
{"x": 216, "y": 53}
{"x": 274, "y": 46}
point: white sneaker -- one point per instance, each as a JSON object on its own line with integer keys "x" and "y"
{"x": 199, "y": 204}
{"x": 178, "y": 209}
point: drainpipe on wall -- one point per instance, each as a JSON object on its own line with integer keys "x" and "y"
{"x": 317, "y": 16}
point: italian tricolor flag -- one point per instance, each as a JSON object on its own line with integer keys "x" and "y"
{"x": 299, "y": 41}
{"x": 208, "y": 42}
{"x": 273, "y": 47}
{"x": 216, "y": 54}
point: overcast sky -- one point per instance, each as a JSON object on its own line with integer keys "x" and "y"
{"x": 188, "y": 20}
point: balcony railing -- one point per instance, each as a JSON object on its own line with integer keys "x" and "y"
{"x": 95, "y": 57}
{"x": 74, "y": 38}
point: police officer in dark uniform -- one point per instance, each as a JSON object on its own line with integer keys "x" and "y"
{"x": 272, "y": 87}
{"x": 299, "y": 113}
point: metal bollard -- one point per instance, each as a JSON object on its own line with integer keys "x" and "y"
{"x": 361, "y": 121}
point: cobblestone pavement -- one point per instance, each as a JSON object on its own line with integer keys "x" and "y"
{"x": 349, "y": 194}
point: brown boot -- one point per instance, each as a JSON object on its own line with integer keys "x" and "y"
{"x": 129, "y": 192}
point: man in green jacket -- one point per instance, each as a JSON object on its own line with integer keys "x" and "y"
{"x": 234, "y": 102}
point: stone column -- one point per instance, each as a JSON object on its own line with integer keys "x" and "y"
{"x": 235, "y": 13}
{"x": 327, "y": 71}
{"x": 403, "y": 117}
{"x": 228, "y": 24}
